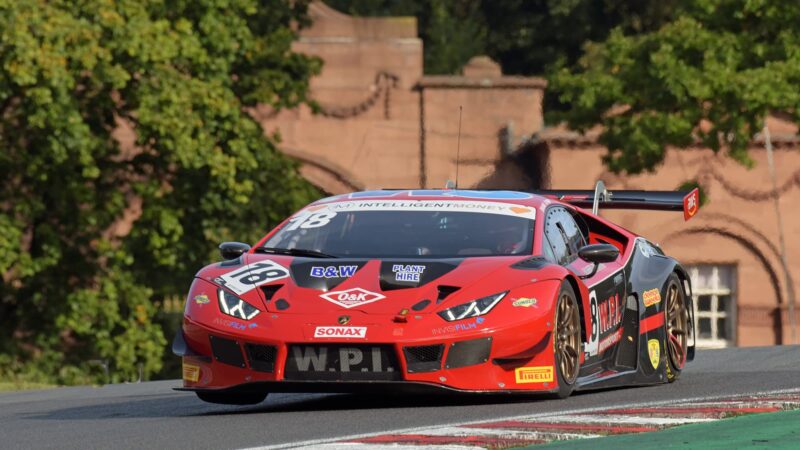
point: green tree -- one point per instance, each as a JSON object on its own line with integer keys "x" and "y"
{"x": 712, "y": 74}
{"x": 527, "y": 37}
{"x": 95, "y": 233}
{"x": 453, "y": 31}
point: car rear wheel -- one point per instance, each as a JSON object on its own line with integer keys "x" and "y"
{"x": 676, "y": 326}
{"x": 232, "y": 398}
{"x": 567, "y": 340}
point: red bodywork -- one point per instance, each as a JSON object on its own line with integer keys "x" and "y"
{"x": 521, "y": 336}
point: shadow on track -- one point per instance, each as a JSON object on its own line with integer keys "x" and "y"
{"x": 183, "y": 405}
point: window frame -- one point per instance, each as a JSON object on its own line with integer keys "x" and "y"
{"x": 571, "y": 256}
{"x": 715, "y": 290}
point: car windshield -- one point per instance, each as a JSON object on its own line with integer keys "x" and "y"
{"x": 408, "y": 232}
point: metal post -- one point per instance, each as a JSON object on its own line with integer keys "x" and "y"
{"x": 784, "y": 263}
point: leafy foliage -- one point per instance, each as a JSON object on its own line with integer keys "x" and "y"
{"x": 127, "y": 155}
{"x": 453, "y": 30}
{"x": 712, "y": 74}
{"x": 527, "y": 37}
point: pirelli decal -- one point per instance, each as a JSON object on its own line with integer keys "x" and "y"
{"x": 543, "y": 374}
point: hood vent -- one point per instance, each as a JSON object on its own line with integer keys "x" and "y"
{"x": 419, "y": 306}
{"x": 535, "y": 263}
{"x": 445, "y": 291}
{"x": 269, "y": 291}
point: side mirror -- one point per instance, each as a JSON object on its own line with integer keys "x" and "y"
{"x": 232, "y": 250}
{"x": 598, "y": 253}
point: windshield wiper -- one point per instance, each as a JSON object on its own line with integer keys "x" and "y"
{"x": 294, "y": 252}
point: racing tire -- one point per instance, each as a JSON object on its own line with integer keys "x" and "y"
{"x": 676, "y": 327}
{"x": 232, "y": 398}
{"x": 567, "y": 345}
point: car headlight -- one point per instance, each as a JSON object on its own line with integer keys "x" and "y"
{"x": 474, "y": 308}
{"x": 235, "y": 307}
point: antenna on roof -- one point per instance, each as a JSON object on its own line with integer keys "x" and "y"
{"x": 458, "y": 145}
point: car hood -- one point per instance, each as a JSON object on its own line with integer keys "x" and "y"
{"x": 300, "y": 285}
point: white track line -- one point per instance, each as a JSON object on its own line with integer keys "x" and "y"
{"x": 611, "y": 419}
{"x": 708, "y": 398}
{"x": 499, "y": 432}
{"x": 359, "y": 446}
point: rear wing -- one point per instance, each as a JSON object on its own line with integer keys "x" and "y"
{"x": 686, "y": 201}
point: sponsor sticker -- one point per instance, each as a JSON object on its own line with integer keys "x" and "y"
{"x": 201, "y": 299}
{"x": 543, "y": 374}
{"x": 691, "y": 203}
{"x": 247, "y": 278}
{"x": 352, "y": 297}
{"x": 525, "y": 302}
{"x": 459, "y": 327}
{"x": 610, "y": 340}
{"x": 309, "y": 219}
{"x": 341, "y": 332}
{"x": 191, "y": 372}
{"x": 234, "y": 324}
{"x": 606, "y": 315}
{"x": 333, "y": 271}
{"x": 407, "y": 272}
{"x": 651, "y": 297}
{"x": 654, "y": 350}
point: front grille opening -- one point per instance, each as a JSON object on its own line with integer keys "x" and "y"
{"x": 261, "y": 357}
{"x": 226, "y": 351}
{"x": 468, "y": 353}
{"x": 424, "y": 358}
{"x": 444, "y": 291}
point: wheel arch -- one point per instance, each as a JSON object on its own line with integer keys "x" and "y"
{"x": 579, "y": 296}
{"x": 686, "y": 281}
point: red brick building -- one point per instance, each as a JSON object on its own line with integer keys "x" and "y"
{"x": 384, "y": 124}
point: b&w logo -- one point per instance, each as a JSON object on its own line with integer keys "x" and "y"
{"x": 352, "y": 297}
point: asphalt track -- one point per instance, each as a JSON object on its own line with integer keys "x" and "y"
{"x": 151, "y": 415}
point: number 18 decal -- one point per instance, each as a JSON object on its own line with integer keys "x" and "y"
{"x": 306, "y": 220}
{"x": 594, "y": 336}
{"x": 252, "y": 275}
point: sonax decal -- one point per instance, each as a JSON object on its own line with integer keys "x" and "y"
{"x": 340, "y": 332}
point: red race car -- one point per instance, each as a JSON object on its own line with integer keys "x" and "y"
{"x": 441, "y": 290}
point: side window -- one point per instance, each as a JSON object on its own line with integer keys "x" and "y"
{"x": 575, "y": 239}
{"x": 564, "y": 235}
{"x": 556, "y": 236}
